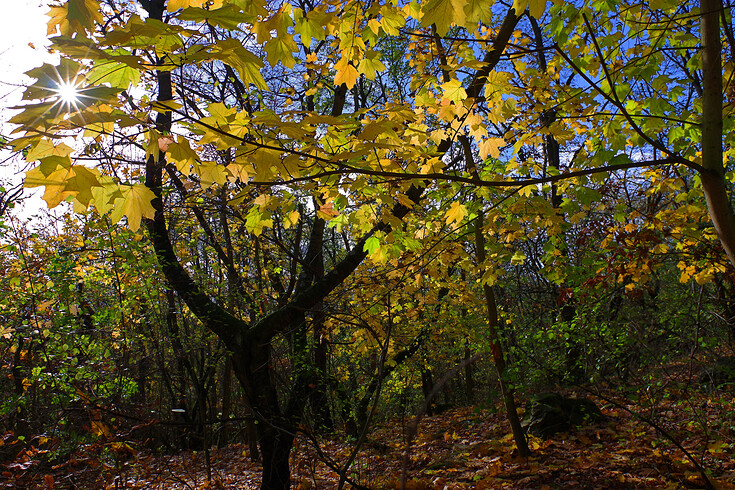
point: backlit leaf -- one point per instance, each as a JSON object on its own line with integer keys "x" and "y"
{"x": 443, "y": 13}
{"x": 456, "y": 213}
{"x": 370, "y": 64}
{"x": 281, "y": 49}
{"x": 536, "y": 8}
{"x": 346, "y": 73}
{"x": 243, "y": 61}
{"x": 454, "y": 91}
{"x": 135, "y": 204}
{"x": 182, "y": 155}
{"x": 174, "y": 5}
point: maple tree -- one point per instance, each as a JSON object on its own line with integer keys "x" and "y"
{"x": 271, "y": 150}
{"x": 269, "y": 158}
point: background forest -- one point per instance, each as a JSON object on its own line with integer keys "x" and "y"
{"x": 285, "y": 224}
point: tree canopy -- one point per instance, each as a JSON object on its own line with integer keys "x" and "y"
{"x": 381, "y": 173}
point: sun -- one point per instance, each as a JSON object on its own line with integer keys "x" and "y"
{"x": 68, "y": 93}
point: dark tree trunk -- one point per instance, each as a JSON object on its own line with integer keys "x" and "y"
{"x": 224, "y": 435}
{"x": 469, "y": 371}
{"x": 318, "y": 397}
{"x": 275, "y": 447}
{"x": 427, "y": 381}
{"x": 275, "y": 430}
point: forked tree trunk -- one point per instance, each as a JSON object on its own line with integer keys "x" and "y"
{"x": 250, "y": 343}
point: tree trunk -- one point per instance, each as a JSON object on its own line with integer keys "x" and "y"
{"x": 496, "y": 348}
{"x": 713, "y": 176}
{"x": 469, "y": 377}
{"x": 224, "y": 435}
{"x": 318, "y": 396}
{"x": 275, "y": 431}
{"x": 275, "y": 446}
{"x": 250, "y": 342}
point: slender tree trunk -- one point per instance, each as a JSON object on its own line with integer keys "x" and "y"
{"x": 469, "y": 377}
{"x": 318, "y": 396}
{"x": 496, "y": 347}
{"x": 713, "y": 176}
{"x": 224, "y": 435}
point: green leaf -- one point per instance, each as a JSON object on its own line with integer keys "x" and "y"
{"x": 307, "y": 27}
{"x": 371, "y": 245}
{"x": 256, "y": 221}
{"x": 115, "y": 73}
{"x": 228, "y": 16}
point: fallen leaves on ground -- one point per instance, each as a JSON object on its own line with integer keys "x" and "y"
{"x": 461, "y": 448}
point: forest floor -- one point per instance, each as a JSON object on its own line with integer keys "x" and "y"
{"x": 469, "y": 448}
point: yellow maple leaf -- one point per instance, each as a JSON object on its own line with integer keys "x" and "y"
{"x": 520, "y": 6}
{"x": 239, "y": 171}
{"x": 46, "y": 148}
{"x": 455, "y": 213}
{"x": 442, "y": 13}
{"x": 291, "y": 219}
{"x": 55, "y": 182}
{"x": 76, "y": 181}
{"x": 105, "y": 194}
{"x": 518, "y": 258}
{"x": 57, "y": 18}
{"x": 262, "y": 200}
{"x": 281, "y": 49}
{"x": 211, "y": 173}
{"x": 153, "y": 149}
{"x": 74, "y": 16}
{"x": 370, "y": 64}
{"x": 477, "y": 11}
{"x": 490, "y": 147}
{"x": 174, "y": 5}
{"x": 346, "y": 73}
{"x": 247, "y": 64}
{"x": 81, "y": 183}
{"x": 182, "y": 155}
{"x": 135, "y": 203}
{"x": 526, "y": 191}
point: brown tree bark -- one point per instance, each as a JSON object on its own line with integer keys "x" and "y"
{"x": 714, "y": 184}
